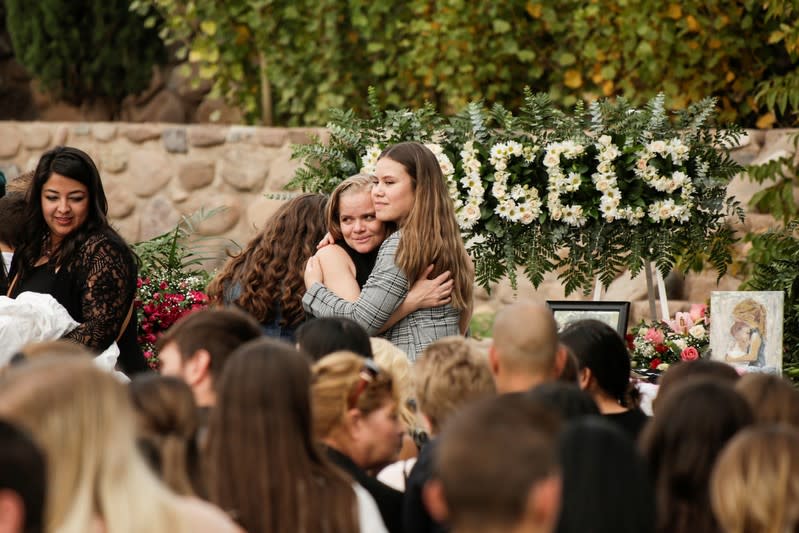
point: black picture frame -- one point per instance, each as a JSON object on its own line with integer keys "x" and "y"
{"x": 567, "y": 311}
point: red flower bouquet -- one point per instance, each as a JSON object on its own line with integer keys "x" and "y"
{"x": 160, "y": 301}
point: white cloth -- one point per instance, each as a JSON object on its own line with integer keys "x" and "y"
{"x": 395, "y": 474}
{"x": 34, "y": 317}
{"x": 7, "y": 256}
{"x": 369, "y": 517}
{"x": 648, "y": 393}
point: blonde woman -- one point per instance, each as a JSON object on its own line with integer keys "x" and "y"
{"x": 97, "y": 481}
{"x": 754, "y": 487}
{"x": 409, "y": 190}
{"x": 355, "y": 415}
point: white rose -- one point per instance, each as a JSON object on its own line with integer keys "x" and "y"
{"x": 471, "y": 211}
{"x": 698, "y": 331}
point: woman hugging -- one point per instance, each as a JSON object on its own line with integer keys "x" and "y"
{"x": 408, "y": 192}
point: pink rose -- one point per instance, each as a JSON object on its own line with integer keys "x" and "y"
{"x": 697, "y": 312}
{"x": 654, "y": 335}
{"x": 689, "y": 354}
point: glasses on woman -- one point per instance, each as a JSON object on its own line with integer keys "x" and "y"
{"x": 369, "y": 372}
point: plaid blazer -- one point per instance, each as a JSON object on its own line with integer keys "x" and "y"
{"x": 383, "y": 292}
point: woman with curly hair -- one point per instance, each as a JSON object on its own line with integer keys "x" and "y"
{"x": 409, "y": 190}
{"x": 266, "y": 278}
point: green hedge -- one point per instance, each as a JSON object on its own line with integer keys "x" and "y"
{"x": 320, "y": 54}
{"x": 86, "y": 50}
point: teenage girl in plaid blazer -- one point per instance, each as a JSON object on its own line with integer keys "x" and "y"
{"x": 409, "y": 190}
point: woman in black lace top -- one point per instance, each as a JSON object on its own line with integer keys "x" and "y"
{"x": 71, "y": 252}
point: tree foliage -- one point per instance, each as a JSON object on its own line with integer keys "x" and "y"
{"x": 85, "y": 50}
{"x": 322, "y": 54}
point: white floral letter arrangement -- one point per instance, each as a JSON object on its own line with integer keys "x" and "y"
{"x": 585, "y": 194}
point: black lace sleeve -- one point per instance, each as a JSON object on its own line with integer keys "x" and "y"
{"x": 107, "y": 272}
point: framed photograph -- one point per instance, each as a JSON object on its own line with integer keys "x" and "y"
{"x": 614, "y": 314}
{"x": 746, "y": 330}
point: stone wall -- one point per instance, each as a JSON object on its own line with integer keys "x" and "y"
{"x": 155, "y": 173}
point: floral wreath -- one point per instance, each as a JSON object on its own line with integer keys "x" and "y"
{"x": 522, "y": 204}
{"x": 667, "y": 209}
{"x": 559, "y": 183}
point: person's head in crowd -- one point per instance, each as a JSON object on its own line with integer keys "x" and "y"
{"x": 97, "y": 480}
{"x": 606, "y": 487}
{"x": 60, "y": 347}
{"x": 261, "y": 459}
{"x": 22, "y": 482}
{"x": 351, "y": 215}
{"x": 604, "y": 364}
{"x": 36, "y": 350}
{"x": 386, "y": 355}
{"x": 356, "y": 409}
{"x": 679, "y": 372}
{"x": 167, "y": 423}
{"x": 319, "y": 337}
{"x": 449, "y": 375}
{"x": 681, "y": 442}
{"x": 12, "y": 220}
{"x": 497, "y": 468}
{"x": 21, "y": 183}
{"x": 12, "y": 212}
{"x": 266, "y": 278}
{"x": 570, "y": 373}
{"x": 65, "y": 203}
{"x": 525, "y": 350}
{"x": 197, "y": 347}
{"x": 774, "y": 400}
{"x": 567, "y": 399}
{"x": 755, "y": 481}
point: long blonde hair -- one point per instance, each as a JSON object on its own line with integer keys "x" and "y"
{"x": 430, "y": 232}
{"x": 754, "y": 487}
{"x": 82, "y": 419}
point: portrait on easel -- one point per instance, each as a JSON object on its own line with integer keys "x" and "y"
{"x": 746, "y": 330}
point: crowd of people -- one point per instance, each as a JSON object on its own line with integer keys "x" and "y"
{"x": 332, "y": 387}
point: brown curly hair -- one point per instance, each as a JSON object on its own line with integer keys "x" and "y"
{"x": 270, "y": 268}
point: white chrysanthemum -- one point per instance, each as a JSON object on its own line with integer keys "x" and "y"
{"x": 657, "y": 147}
{"x": 551, "y": 159}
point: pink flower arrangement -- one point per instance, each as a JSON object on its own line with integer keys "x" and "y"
{"x": 655, "y": 346}
{"x": 162, "y": 301}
